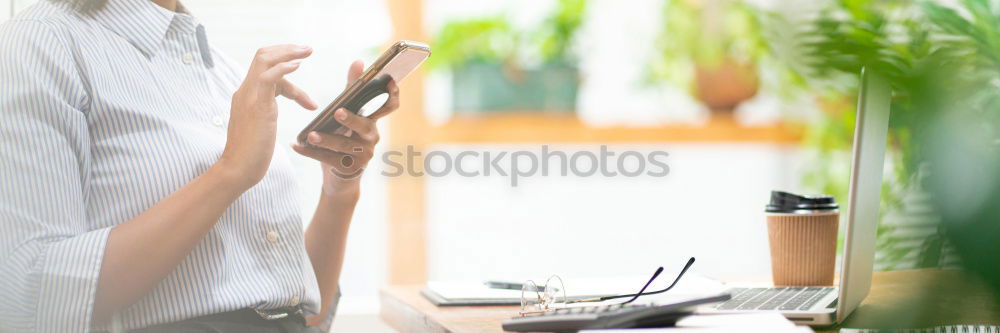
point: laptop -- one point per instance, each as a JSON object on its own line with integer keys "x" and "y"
{"x": 821, "y": 306}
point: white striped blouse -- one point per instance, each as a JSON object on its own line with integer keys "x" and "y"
{"x": 101, "y": 116}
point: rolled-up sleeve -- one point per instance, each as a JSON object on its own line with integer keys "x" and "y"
{"x": 51, "y": 256}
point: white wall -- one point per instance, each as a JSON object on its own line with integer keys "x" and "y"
{"x": 5, "y": 9}
{"x": 710, "y": 207}
{"x": 9, "y": 7}
{"x": 18, "y": 5}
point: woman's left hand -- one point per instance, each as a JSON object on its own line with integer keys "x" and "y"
{"x": 344, "y": 157}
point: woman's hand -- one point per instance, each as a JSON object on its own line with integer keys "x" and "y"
{"x": 254, "y": 114}
{"x": 344, "y": 157}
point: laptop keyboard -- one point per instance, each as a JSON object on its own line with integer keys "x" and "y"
{"x": 778, "y": 298}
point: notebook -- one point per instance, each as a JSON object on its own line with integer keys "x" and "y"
{"x": 478, "y": 294}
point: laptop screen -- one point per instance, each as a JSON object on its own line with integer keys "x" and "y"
{"x": 870, "y": 136}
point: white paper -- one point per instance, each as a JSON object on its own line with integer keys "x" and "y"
{"x": 690, "y": 286}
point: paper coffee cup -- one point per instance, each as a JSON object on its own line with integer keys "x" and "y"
{"x": 802, "y": 232}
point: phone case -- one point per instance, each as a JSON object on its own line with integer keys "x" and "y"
{"x": 359, "y": 92}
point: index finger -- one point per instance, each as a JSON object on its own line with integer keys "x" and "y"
{"x": 354, "y": 72}
{"x": 268, "y": 57}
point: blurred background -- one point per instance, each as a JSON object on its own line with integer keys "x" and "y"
{"x": 745, "y": 96}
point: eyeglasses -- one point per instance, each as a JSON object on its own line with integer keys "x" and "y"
{"x": 538, "y": 299}
{"x": 552, "y": 295}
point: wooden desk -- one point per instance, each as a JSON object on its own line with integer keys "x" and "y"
{"x": 902, "y": 299}
{"x": 926, "y": 298}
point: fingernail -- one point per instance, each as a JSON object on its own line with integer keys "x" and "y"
{"x": 341, "y": 114}
{"x": 303, "y": 47}
{"x": 314, "y": 138}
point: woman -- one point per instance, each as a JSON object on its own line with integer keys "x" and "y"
{"x": 128, "y": 201}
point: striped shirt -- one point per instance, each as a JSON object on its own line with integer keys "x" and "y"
{"x": 102, "y": 115}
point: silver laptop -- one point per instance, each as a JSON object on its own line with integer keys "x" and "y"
{"x": 819, "y": 306}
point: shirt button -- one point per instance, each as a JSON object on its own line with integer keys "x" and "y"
{"x": 272, "y": 236}
{"x": 295, "y": 300}
{"x": 187, "y": 58}
{"x": 217, "y": 121}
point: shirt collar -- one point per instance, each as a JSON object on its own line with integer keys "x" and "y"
{"x": 141, "y": 22}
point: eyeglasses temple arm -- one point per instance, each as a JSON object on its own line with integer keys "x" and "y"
{"x": 634, "y": 296}
{"x": 677, "y": 279}
{"x": 679, "y": 276}
{"x": 658, "y": 271}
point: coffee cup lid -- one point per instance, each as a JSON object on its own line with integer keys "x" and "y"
{"x": 785, "y": 202}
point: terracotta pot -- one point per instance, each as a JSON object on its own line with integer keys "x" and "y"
{"x": 835, "y": 104}
{"x": 723, "y": 87}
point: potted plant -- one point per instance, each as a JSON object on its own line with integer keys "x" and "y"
{"x": 712, "y": 48}
{"x": 494, "y": 67}
{"x": 936, "y": 61}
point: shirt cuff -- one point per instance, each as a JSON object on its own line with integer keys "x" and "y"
{"x": 67, "y": 284}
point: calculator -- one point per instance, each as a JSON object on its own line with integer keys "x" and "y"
{"x": 573, "y": 319}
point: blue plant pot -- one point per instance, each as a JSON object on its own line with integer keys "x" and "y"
{"x": 488, "y": 87}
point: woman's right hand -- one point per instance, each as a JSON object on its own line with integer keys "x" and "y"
{"x": 253, "y": 116}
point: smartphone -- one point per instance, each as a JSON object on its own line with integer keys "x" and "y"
{"x": 366, "y": 95}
